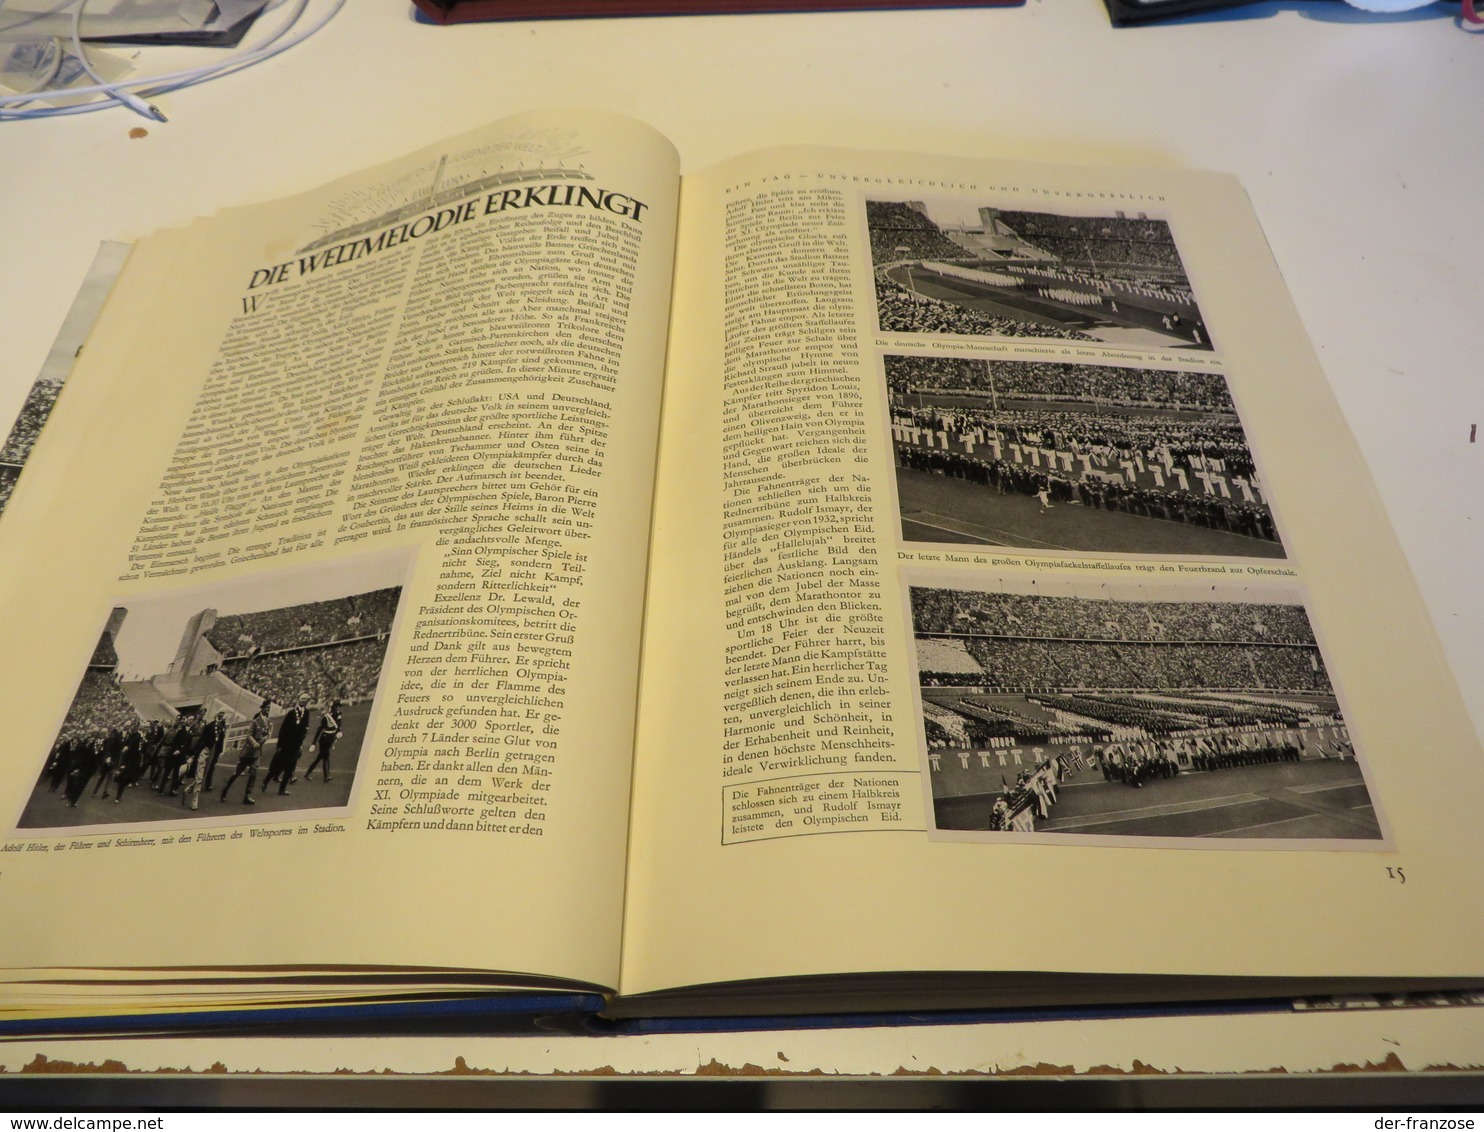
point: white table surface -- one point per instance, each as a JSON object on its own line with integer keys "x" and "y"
{"x": 1358, "y": 139}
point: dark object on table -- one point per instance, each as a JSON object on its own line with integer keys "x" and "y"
{"x": 470, "y": 11}
{"x": 1125, "y": 12}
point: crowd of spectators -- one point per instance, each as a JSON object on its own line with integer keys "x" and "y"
{"x": 900, "y": 232}
{"x": 294, "y": 626}
{"x": 1101, "y": 240}
{"x": 1074, "y": 261}
{"x": 960, "y": 721}
{"x": 937, "y": 655}
{"x": 97, "y": 706}
{"x": 1084, "y": 619}
{"x": 902, "y": 311}
{"x": 105, "y": 653}
{"x": 939, "y": 736}
{"x": 1060, "y": 381}
{"x": 1054, "y": 224}
{"x": 1034, "y": 666}
{"x": 346, "y": 672}
{"x": 28, "y": 422}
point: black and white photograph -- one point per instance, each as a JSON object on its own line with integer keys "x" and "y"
{"x": 248, "y": 697}
{"x": 1050, "y": 456}
{"x": 1179, "y": 714}
{"x": 42, "y": 397}
{"x": 952, "y": 266}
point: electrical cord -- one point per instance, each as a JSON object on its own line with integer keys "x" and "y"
{"x": 135, "y": 93}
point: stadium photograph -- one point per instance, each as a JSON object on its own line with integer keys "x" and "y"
{"x": 42, "y": 398}
{"x": 23, "y": 434}
{"x": 946, "y": 266}
{"x": 247, "y": 697}
{"x": 1179, "y": 713}
{"x": 1049, "y": 456}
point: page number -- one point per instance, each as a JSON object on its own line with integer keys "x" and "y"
{"x": 1396, "y": 874}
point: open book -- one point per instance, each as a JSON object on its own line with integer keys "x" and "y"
{"x": 830, "y": 581}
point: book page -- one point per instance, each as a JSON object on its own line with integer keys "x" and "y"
{"x": 1020, "y": 601}
{"x": 323, "y": 590}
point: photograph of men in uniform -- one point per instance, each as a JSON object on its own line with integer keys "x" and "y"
{"x": 252, "y": 747}
{"x": 183, "y": 676}
{"x": 292, "y": 732}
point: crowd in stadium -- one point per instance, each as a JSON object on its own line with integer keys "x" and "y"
{"x": 1164, "y": 715}
{"x": 1136, "y": 762}
{"x": 1253, "y": 520}
{"x": 320, "y": 622}
{"x": 904, "y": 311}
{"x": 1096, "y": 239}
{"x": 1115, "y": 713}
{"x": 1095, "y": 253}
{"x": 1059, "y": 381}
{"x": 974, "y": 720}
{"x": 324, "y": 653}
{"x": 98, "y": 706}
{"x": 34, "y": 411}
{"x": 1034, "y": 643}
{"x": 1151, "y": 689}
{"x": 972, "y": 730}
{"x": 1054, "y": 225}
{"x": 900, "y": 232}
{"x": 983, "y": 720}
{"x": 1082, "y": 619}
{"x": 1038, "y": 665}
{"x": 1108, "y": 436}
{"x": 347, "y": 672}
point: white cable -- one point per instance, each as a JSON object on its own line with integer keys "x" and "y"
{"x": 179, "y": 79}
{"x": 188, "y": 75}
{"x": 154, "y": 85}
{"x": 114, "y": 91}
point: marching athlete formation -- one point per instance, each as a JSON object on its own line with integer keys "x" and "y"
{"x": 182, "y": 761}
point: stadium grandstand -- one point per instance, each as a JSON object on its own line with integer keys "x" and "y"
{"x": 1113, "y": 240}
{"x": 232, "y": 662}
{"x": 1114, "y": 279}
{"x": 24, "y": 432}
{"x": 1139, "y": 446}
{"x": 1069, "y": 382}
{"x": 1040, "y": 711}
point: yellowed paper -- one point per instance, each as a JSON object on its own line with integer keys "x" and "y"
{"x": 378, "y": 458}
{"x": 777, "y": 833}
